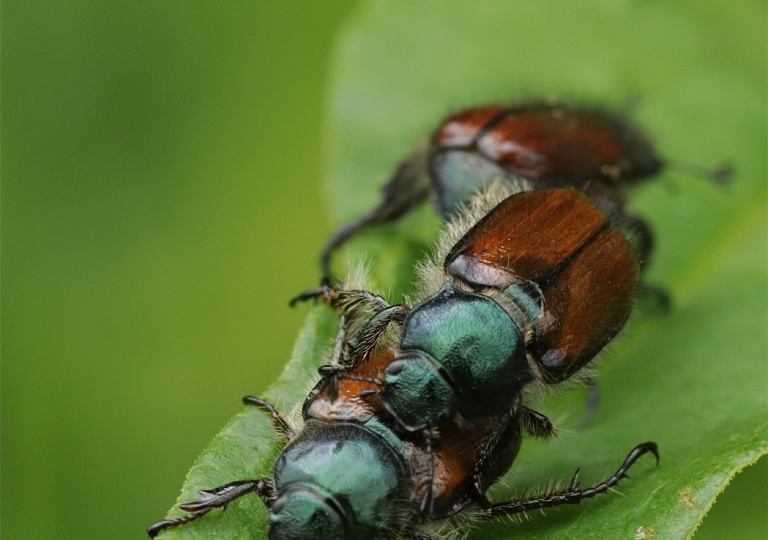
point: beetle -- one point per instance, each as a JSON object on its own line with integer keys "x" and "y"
{"x": 530, "y": 145}
{"x": 524, "y": 290}
{"x": 352, "y": 474}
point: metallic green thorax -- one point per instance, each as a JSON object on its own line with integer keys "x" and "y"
{"x": 338, "y": 481}
{"x": 462, "y": 175}
{"x": 462, "y": 351}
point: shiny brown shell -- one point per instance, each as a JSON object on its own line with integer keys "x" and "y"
{"x": 551, "y": 142}
{"x": 583, "y": 265}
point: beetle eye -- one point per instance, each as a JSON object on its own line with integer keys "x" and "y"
{"x": 395, "y": 367}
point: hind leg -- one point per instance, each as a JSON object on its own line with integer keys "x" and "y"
{"x": 573, "y": 495}
{"x": 407, "y": 188}
{"x": 639, "y": 233}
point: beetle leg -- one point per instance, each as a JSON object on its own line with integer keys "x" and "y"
{"x": 415, "y": 534}
{"x": 218, "y": 497}
{"x": 720, "y": 174}
{"x": 330, "y": 373}
{"x": 536, "y": 424}
{"x": 369, "y": 335}
{"x": 345, "y": 301}
{"x": 333, "y": 374}
{"x": 657, "y": 296}
{"x": 640, "y": 235}
{"x": 407, "y": 188}
{"x": 427, "y": 500}
{"x": 339, "y": 367}
{"x": 486, "y": 452}
{"x": 321, "y": 292}
{"x": 281, "y": 425}
{"x": 573, "y": 495}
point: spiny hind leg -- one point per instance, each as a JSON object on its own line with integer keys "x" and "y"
{"x": 573, "y": 495}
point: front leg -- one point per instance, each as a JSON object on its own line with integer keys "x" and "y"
{"x": 369, "y": 335}
{"x": 408, "y": 187}
{"x": 281, "y": 425}
{"x": 339, "y": 368}
{"x": 415, "y": 534}
{"x": 218, "y": 497}
{"x": 536, "y": 424}
{"x": 344, "y": 301}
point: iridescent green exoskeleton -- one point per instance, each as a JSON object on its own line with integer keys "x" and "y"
{"x": 339, "y": 481}
{"x": 333, "y": 480}
{"x": 462, "y": 352}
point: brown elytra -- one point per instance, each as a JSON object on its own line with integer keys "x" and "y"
{"x": 526, "y": 146}
{"x": 551, "y": 142}
{"x": 584, "y": 266}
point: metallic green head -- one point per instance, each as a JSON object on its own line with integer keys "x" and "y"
{"x": 339, "y": 482}
{"x": 417, "y": 393}
{"x": 461, "y": 351}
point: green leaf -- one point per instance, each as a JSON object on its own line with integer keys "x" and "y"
{"x": 694, "y": 381}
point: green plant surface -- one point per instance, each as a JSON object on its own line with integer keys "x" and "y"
{"x": 161, "y": 203}
{"x": 694, "y": 381}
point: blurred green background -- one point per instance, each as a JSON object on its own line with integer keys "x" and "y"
{"x": 161, "y": 202}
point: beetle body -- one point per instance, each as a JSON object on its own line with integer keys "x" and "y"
{"x": 533, "y": 291}
{"x": 528, "y": 146}
{"x": 461, "y": 352}
{"x": 368, "y": 463}
{"x": 455, "y": 458}
{"x": 339, "y": 480}
{"x": 548, "y": 145}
